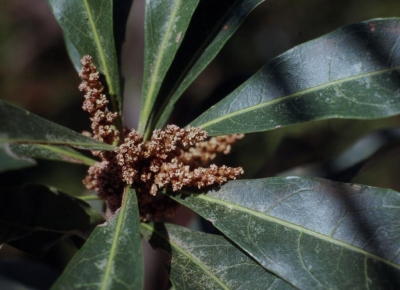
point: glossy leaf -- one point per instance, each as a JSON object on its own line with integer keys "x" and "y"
{"x": 166, "y": 23}
{"x": 312, "y": 233}
{"x": 10, "y": 161}
{"x": 20, "y": 126}
{"x": 352, "y": 72}
{"x": 37, "y": 209}
{"x": 56, "y": 153}
{"x": 88, "y": 30}
{"x": 112, "y": 256}
{"x": 204, "y": 261}
{"x": 204, "y": 49}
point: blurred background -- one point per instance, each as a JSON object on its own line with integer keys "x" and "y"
{"x": 36, "y": 74}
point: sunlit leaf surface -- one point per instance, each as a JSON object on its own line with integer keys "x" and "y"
{"x": 204, "y": 261}
{"x": 88, "y": 30}
{"x": 165, "y": 26}
{"x": 206, "y": 37}
{"x": 352, "y": 72}
{"x": 312, "y": 233}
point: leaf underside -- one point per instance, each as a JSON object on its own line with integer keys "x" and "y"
{"x": 10, "y": 161}
{"x": 55, "y": 153}
{"x": 20, "y": 126}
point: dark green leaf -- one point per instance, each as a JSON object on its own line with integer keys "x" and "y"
{"x": 352, "y": 72}
{"x": 121, "y": 9}
{"x": 35, "y": 243}
{"x": 88, "y": 30}
{"x": 10, "y": 161}
{"x": 312, "y": 233}
{"x": 112, "y": 256}
{"x": 40, "y": 211}
{"x": 165, "y": 26}
{"x": 20, "y": 126}
{"x": 204, "y": 261}
{"x": 56, "y": 153}
{"x": 213, "y": 23}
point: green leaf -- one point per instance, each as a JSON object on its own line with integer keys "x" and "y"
{"x": 204, "y": 261}
{"x": 88, "y": 30}
{"x": 10, "y": 161}
{"x": 56, "y": 153}
{"x": 20, "y": 126}
{"x": 313, "y": 233}
{"x": 166, "y": 23}
{"x": 43, "y": 212}
{"x": 352, "y": 72}
{"x": 112, "y": 256}
{"x": 205, "y": 38}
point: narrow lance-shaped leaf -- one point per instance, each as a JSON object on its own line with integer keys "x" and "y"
{"x": 56, "y": 153}
{"x": 313, "y": 233}
{"x": 20, "y": 126}
{"x": 112, "y": 256}
{"x": 227, "y": 23}
{"x": 88, "y": 30}
{"x": 43, "y": 212}
{"x": 204, "y": 261}
{"x": 11, "y": 161}
{"x": 352, "y": 72}
{"x": 165, "y": 26}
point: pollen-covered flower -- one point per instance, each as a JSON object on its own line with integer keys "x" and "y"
{"x": 173, "y": 158}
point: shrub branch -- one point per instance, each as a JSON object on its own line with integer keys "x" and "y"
{"x": 173, "y": 158}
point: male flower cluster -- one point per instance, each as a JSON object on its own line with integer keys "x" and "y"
{"x": 166, "y": 160}
{"x": 172, "y": 158}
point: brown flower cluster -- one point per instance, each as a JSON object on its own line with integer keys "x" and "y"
{"x": 96, "y": 104}
{"x": 166, "y": 160}
{"x": 172, "y": 158}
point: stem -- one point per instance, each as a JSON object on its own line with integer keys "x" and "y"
{"x": 88, "y": 197}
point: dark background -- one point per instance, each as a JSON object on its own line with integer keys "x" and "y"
{"x": 35, "y": 73}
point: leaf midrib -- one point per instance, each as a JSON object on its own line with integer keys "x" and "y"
{"x": 154, "y": 76}
{"x": 84, "y": 159}
{"x": 190, "y": 257}
{"x": 113, "y": 249}
{"x": 89, "y": 146}
{"x": 294, "y": 227}
{"x": 99, "y": 48}
{"x": 297, "y": 94}
{"x": 180, "y": 84}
